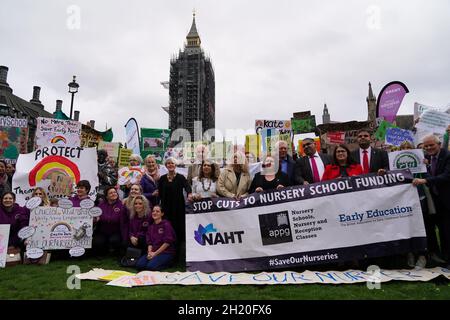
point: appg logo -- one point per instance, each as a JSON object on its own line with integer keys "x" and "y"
{"x": 275, "y": 228}
{"x": 209, "y": 235}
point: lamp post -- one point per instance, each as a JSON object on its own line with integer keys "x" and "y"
{"x": 73, "y": 88}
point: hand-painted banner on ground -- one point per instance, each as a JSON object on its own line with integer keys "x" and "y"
{"x": 111, "y": 147}
{"x": 421, "y": 108}
{"x": 132, "y": 136}
{"x": 390, "y": 99}
{"x": 57, "y": 169}
{"x": 124, "y": 157}
{"x": 333, "y": 221}
{"x": 407, "y": 159}
{"x": 4, "y": 238}
{"x": 58, "y": 228}
{"x": 56, "y": 132}
{"x": 303, "y": 125}
{"x": 155, "y": 142}
{"x": 336, "y": 137}
{"x": 283, "y": 126}
{"x": 373, "y": 277}
{"x": 13, "y": 138}
{"x": 396, "y": 136}
{"x": 434, "y": 121}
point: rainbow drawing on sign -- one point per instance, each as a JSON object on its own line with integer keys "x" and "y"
{"x": 53, "y": 164}
{"x": 58, "y": 139}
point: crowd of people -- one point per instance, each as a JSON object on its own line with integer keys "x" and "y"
{"x": 150, "y": 215}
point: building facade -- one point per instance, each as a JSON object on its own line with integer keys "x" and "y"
{"x": 191, "y": 87}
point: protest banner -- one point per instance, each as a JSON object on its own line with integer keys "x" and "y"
{"x": 396, "y": 136}
{"x": 380, "y": 134}
{"x": 303, "y": 125}
{"x": 155, "y": 142}
{"x": 124, "y": 157}
{"x": 118, "y": 278}
{"x": 390, "y": 99}
{"x": 253, "y": 146}
{"x": 13, "y": 138}
{"x": 407, "y": 159}
{"x": 434, "y": 121}
{"x": 334, "y": 221}
{"x": 421, "y": 108}
{"x": 4, "y": 239}
{"x": 56, "y": 132}
{"x": 112, "y": 148}
{"x": 272, "y": 141}
{"x": 283, "y": 126}
{"x": 132, "y": 136}
{"x": 58, "y": 228}
{"x": 266, "y": 133}
{"x": 336, "y": 137}
{"x": 57, "y": 169}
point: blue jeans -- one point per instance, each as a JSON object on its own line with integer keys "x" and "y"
{"x": 160, "y": 262}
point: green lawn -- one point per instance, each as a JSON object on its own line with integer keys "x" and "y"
{"x": 49, "y": 282}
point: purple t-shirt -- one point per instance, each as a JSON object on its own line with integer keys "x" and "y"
{"x": 18, "y": 218}
{"x": 76, "y": 200}
{"x": 161, "y": 233}
{"x": 114, "y": 219}
{"x": 138, "y": 227}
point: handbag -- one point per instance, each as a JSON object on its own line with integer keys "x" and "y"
{"x": 131, "y": 257}
{"x": 45, "y": 259}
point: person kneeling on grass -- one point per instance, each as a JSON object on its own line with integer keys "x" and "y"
{"x": 161, "y": 244}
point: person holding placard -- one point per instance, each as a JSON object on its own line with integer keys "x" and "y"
{"x": 14, "y": 215}
{"x": 140, "y": 219}
{"x": 161, "y": 240}
{"x": 204, "y": 185}
{"x": 82, "y": 192}
{"x": 111, "y": 228}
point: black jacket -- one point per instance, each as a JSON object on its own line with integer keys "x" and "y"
{"x": 303, "y": 170}
{"x": 379, "y": 159}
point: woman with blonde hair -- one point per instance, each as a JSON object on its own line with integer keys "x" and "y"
{"x": 40, "y": 192}
{"x": 139, "y": 221}
{"x": 234, "y": 181}
{"x": 150, "y": 179}
{"x": 135, "y": 190}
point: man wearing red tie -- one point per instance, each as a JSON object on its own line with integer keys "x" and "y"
{"x": 310, "y": 168}
{"x": 371, "y": 159}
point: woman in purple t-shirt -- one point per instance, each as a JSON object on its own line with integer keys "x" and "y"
{"x": 161, "y": 244}
{"x": 140, "y": 219}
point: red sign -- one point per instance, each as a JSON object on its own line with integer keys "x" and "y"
{"x": 337, "y": 137}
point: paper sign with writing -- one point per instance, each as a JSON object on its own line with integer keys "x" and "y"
{"x": 396, "y": 136}
{"x": 4, "y": 239}
{"x": 407, "y": 159}
{"x": 58, "y": 228}
{"x": 434, "y": 121}
{"x": 56, "y": 132}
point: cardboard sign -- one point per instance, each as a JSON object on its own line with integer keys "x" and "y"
{"x": 56, "y": 132}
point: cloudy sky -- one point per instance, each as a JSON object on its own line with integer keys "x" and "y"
{"x": 271, "y": 58}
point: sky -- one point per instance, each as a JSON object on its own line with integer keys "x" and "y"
{"x": 271, "y": 58}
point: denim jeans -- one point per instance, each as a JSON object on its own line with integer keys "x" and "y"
{"x": 160, "y": 262}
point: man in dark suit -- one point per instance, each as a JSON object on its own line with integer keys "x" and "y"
{"x": 286, "y": 163}
{"x": 371, "y": 159}
{"x": 438, "y": 179}
{"x": 310, "y": 168}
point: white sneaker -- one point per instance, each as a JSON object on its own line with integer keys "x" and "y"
{"x": 410, "y": 261}
{"x": 421, "y": 263}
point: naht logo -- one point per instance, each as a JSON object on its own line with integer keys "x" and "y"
{"x": 275, "y": 228}
{"x": 210, "y": 236}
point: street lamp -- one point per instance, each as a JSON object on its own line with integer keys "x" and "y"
{"x": 73, "y": 88}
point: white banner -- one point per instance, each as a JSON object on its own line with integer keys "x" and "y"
{"x": 434, "y": 121}
{"x": 4, "y": 239}
{"x": 56, "y": 132}
{"x": 58, "y": 228}
{"x": 408, "y": 159}
{"x": 332, "y": 221}
{"x": 57, "y": 170}
{"x": 132, "y": 136}
{"x": 421, "y": 108}
{"x": 371, "y": 277}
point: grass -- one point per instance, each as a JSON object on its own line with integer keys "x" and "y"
{"x": 49, "y": 282}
